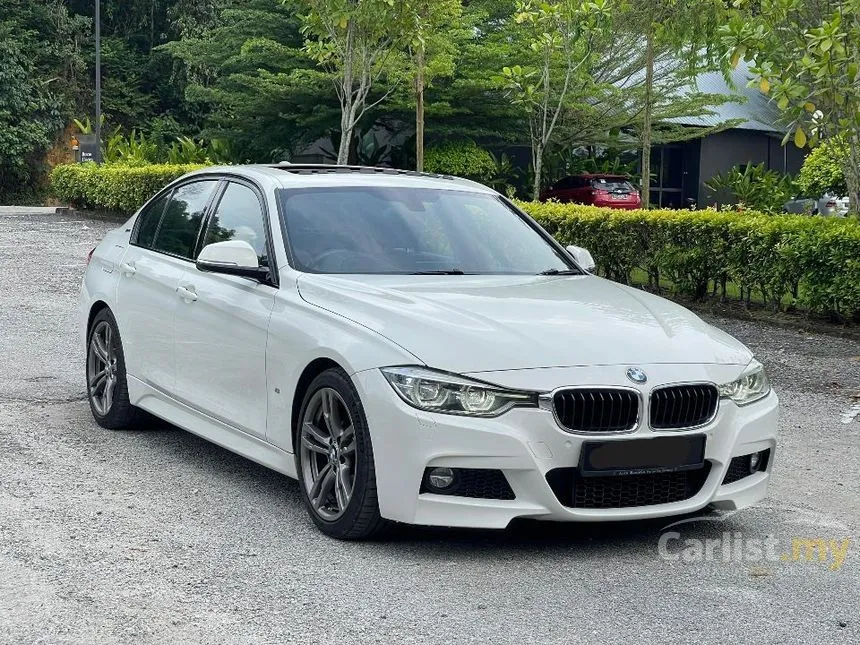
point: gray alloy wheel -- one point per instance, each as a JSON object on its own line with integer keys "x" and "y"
{"x": 329, "y": 456}
{"x": 102, "y": 368}
{"x": 334, "y": 460}
{"x": 107, "y": 387}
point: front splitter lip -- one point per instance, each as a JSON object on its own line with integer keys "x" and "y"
{"x": 442, "y": 510}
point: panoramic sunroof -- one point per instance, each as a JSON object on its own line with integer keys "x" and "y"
{"x": 316, "y": 169}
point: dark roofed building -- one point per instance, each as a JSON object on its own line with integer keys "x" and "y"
{"x": 679, "y": 170}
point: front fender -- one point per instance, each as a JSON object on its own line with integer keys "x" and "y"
{"x": 300, "y": 333}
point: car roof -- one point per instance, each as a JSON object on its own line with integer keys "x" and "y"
{"x": 601, "y": 175}
{"x": 288, "y": 175}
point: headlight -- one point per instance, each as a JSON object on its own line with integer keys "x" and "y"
{"x": 751, "y": 386}
{"x": 435, "y": 391}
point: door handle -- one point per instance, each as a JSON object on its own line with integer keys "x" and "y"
{"x": 128, "y": 268}
{"x": 187, "y": 293}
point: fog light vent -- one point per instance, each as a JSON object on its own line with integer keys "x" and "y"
{"x": 746, "y": 465}
{"x": 481, "y": 483}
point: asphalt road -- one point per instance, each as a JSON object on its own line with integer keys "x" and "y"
{"x": 157, "y": 536}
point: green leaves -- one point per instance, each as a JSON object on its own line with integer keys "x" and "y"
{"x": 114, "y": 188}
{"x": 806, "y": 55}
{"x": 752, "y": 186}
{"x": 774, "y": 257}
{"x": 39, "y": 58}
{"x": 463, "y": 159}
{"x": 800, "y": 138}
{"x": 822, "y": 171}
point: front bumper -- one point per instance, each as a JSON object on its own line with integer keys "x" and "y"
{"x": 526, "y": 443}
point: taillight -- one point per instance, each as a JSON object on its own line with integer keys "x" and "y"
{"x": 831, "y": 204}
{"x": 90, "y": 257}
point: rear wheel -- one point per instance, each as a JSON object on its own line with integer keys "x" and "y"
{"x": 334, "y": 460}
{"x": 107, "y": 387}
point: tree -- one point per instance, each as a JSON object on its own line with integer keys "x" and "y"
{"x": 432, "y": 49}
{"x": 606, "y": 105}
{"x": 473, "y": 103}
{"x": 360, "y": 44}
{"x": 806, "y": 56}
{"x": 823, "y": 170}
{"x": 687, "y": 31}
{"x": 252, "y": 84}
{"x": 40, "y": 67}
{"x": 557, "y": 40}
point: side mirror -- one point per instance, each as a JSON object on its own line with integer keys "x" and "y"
{"x": 233, "y": 257}
{"x": 582, "y": 256}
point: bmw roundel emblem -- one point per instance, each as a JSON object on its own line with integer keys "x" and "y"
{"x": 636, "y": 375}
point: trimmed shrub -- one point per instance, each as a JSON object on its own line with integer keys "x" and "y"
{"x": 109, "y": 187}
{"x": 822, "y": 170}
{"x": 462, "y": 159}
{"x": 787, "y": 260}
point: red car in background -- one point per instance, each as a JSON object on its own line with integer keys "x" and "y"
{"x": 614, "y": 191}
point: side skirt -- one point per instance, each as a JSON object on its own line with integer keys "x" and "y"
{"x": 165, "y": 407}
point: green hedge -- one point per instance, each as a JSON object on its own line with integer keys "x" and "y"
{"x": 784, "y": 260}
{"x": 462, "y": 159}
{"x": 112, "y": 187}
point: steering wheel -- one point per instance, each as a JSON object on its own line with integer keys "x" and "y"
{"x": 319, "y": 261}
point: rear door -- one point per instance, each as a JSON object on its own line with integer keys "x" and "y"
{"x": 564, "y": 189}
{"x": 162, "y": 242}
{"x": 222, "y": 321}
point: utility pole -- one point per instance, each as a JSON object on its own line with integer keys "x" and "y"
{"x": 98, "y": 124}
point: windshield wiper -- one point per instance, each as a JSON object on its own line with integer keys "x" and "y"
{"x": 560, "y": 272}
{"x": 440, "y": 272}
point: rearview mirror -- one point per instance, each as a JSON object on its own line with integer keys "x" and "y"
{"x": 582, "y": 256}
{"x": 233, "y": 257}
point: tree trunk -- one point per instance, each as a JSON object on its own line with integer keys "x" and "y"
{"x": 347, "y": 107}
{"x": 345, "y": 141}
{"x": 851, "y": 168}
{"x": 646, "y": 119}
{"x": 537, "y": 162}
{"x": 419, "y": 111}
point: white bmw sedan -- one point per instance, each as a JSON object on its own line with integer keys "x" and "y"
{"x": 413, "y": 348}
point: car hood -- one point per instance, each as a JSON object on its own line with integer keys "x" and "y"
{"x": 491, "y": 323}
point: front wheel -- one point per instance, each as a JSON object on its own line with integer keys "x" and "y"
{"x": 334, "y": 460}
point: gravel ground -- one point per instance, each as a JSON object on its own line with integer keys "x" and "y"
{"x": 158, "y": 536}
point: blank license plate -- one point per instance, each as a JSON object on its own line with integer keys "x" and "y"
{"x": 642, "y": 456}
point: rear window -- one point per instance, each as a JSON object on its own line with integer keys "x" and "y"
{"x": 182, "y": 219}
{"x": 148, "y": 221}
{"x": 612, "y": 184}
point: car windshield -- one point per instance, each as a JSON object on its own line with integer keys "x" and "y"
{"x": 612, "y": 184}
{"x": 402, "y": 230}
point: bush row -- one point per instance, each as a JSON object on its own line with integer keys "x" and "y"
{"x": 109, "y": 187}
{"x": 462, "y": 159}
{"x": 809, "y": 262}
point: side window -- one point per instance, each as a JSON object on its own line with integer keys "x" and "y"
{"x": 182, "y": 219}
{"x": 148, "y": 221}
{"x": 239, "y": 216}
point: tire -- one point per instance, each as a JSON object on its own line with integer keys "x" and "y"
{"x": 329, "y": 456}
{"x": 105, "y": 357}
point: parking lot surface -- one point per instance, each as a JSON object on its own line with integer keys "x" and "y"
{"x": 157, "y": 536}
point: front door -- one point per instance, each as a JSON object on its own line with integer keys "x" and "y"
{"x": 222, "y": 322}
